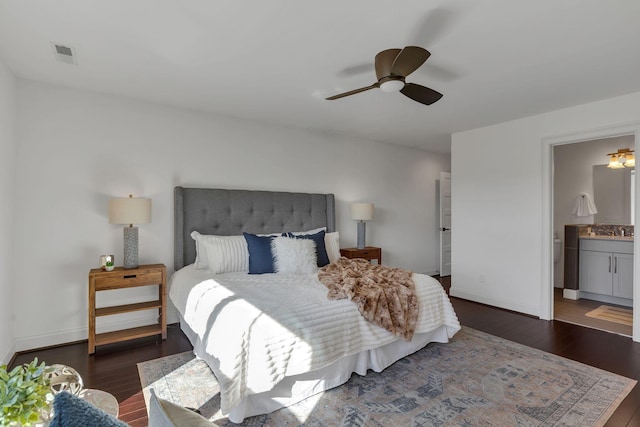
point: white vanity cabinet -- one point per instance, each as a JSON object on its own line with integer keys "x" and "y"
{"x": 606, "y": 268}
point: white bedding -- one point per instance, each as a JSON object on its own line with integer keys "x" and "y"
{"x": 255, "y": 330}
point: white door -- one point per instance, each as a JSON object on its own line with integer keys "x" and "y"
{"x": 444, "y": 187}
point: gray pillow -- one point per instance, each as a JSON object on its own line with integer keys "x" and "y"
{"x": 163, "y": 413}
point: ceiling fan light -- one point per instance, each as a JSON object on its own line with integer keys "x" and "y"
{"x": 392, "y": 86}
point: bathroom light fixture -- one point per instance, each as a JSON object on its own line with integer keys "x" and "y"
{"x": 129, "y": 211}
{"x": 624, "y": 158}
{"x": 362, "y": 212}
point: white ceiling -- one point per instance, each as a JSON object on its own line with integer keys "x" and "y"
{"x": 274, "y": 61}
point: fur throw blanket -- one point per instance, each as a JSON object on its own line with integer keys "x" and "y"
{"x": 384, "y": 295}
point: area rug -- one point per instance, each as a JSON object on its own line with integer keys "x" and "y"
{"x": 623, "y": 316}
{"x": 477, "y": 379}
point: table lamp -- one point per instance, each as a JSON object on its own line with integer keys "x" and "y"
{"x": 362, "y": 212}
{"x": 130, "y": 210}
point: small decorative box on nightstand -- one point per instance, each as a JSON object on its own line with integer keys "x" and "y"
{"x": 119, "y": 278}
{"x": 368, "y": 252}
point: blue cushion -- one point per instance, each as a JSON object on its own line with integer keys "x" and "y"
{"x": 71, "y": 411}
{"x": 260, "y": 256}
{"x": 321, "y": 250}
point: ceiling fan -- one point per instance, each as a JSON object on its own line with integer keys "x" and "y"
{"x": 392, "y": 67}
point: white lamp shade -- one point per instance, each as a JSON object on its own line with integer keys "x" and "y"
{"x": 362, "y": 211}
{"x": 130, "y": 210}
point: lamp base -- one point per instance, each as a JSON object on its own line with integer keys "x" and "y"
{"x": 362, "y": 234}
{"x": 130, "y": 247}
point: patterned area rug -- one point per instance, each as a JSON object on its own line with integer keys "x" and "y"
{"x": 623, "y": 316}
{"x": 475, "y": 380}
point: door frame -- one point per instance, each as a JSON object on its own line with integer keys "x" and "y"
{"x": 441, "y": 213}
{"x": 546, "y": 307}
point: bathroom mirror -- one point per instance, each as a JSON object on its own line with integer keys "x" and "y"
{"x": 612, "y": 195}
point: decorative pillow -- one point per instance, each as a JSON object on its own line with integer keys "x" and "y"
{"x": 71, "y": 411}
{"x": 202, "y": 260}
{"x": 226, "y": 254}
{"x": 260, "y": 257}
{"x": 332, "y": 243}
{"x": 199, "y": 258}
{"x": 321, "y": 251}
{"x": 294, "y": 256}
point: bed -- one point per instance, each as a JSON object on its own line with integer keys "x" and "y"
{"x": 275, "y": 339}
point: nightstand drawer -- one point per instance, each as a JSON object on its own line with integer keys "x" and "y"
{"x": 368, "y": 253}
{"x": 124, "y": 280}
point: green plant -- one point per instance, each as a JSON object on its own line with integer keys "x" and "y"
{"x": 24, "y": 394}
{"x": 109, "y": 263}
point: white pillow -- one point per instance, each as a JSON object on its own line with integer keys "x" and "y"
{"x": 202, "y": 257}
{"x": 332, "y": 244}
{"x": 226, "y": 254}
{"x": 201, "y": 261}
{"x": 294, "y": 256}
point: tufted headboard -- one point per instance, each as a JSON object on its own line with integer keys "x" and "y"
{"x": 230, "y": 212}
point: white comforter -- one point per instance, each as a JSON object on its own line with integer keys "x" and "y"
{"x": 261, "y": 328}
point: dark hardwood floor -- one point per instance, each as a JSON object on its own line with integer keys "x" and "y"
{"x": 113, "y": 368}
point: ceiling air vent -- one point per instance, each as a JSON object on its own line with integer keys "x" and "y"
{"x": 64, "y": 53}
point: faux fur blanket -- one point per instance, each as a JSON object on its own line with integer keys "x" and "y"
{"x": 384, "y": 295}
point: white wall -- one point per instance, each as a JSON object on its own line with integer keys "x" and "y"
{"x": 572, "y": 175}
{"x": 8, "y": 89}
{"x": 499, "y": 194}
{"x": 78, "y": 149}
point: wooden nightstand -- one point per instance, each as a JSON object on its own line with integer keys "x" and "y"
{"x": 369, "y": 252}
{"x": 119, "y": 278}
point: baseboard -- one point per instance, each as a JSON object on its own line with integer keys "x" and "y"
{"x": 506, "y": 304}
{"x": 75, "y": 335}
{"x": 607, "y": 299}
{"x": 8, "y": 355}
{"x": 48, "y": 340}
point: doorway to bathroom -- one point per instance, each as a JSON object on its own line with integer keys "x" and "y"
{"x": 593, "y": 213}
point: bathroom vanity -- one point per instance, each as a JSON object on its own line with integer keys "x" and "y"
{"x": 606, "y": 269}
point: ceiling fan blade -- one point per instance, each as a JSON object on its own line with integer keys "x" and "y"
{"x": 408, "y": 60}
{"x": 352, "y": 92}
{"x": 384, "y": 61}
{"x": 420, "y": 93}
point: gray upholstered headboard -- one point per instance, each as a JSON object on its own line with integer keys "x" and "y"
{"x": 230, "y": 212}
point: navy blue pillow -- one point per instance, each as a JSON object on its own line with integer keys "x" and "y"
{"x": 321, "y": 250}
{"x": 71, "y": 411}
{"x": 260, "y": 256}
